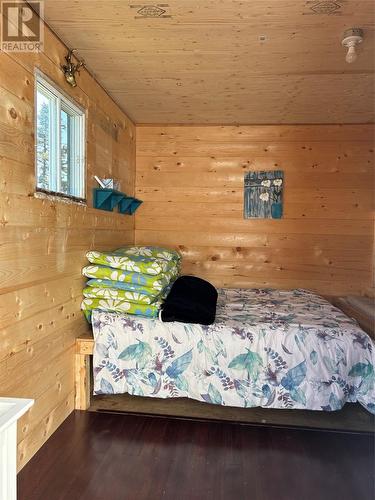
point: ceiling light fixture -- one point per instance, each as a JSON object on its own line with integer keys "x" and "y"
{"x": 352, "y": 37}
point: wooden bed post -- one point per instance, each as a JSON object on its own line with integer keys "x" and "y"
{"x": 82, "y": 382}
{"x": 84, "y": 348}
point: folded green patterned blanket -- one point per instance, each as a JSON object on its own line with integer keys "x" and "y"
{"x": 157, "y": 282}
{"x": 131, "y": 280}
{"x": 115, "y": 293}
{"x": 120, "y": 285}
{"x": 120, "y": 306}
{"x": 132, "y": 263}
{"x": 150, "y": 252}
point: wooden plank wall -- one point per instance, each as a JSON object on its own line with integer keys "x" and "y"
{"x": 191, "y": 178}
{"x": 43, "y": 242}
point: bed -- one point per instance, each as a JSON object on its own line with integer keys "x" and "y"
{"x": 267, "y": 348}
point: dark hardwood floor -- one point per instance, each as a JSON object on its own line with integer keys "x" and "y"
{"x": 100, "y": 456}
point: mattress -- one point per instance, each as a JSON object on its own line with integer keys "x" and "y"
{"x": 268, "y": 348}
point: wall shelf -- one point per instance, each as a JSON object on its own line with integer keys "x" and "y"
{"x": 107, "y": 199}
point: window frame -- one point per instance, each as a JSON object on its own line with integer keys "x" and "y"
{"x": 61, "y": 102}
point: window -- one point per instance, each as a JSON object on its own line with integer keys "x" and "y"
{"x": 60, "y": 142}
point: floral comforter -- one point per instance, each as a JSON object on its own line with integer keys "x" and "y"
{"x": 268, "y": 348}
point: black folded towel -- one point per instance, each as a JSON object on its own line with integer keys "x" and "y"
{"x": 191, "y": 300}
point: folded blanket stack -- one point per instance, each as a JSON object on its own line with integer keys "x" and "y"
{"x": 131, "y": 280}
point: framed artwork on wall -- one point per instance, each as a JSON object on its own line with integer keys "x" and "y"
{"x": 263, "y": 194}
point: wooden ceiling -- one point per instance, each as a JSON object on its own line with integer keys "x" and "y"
{"x": 225, "y": 61}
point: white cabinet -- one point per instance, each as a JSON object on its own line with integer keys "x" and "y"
{"x": 11, "y": 409}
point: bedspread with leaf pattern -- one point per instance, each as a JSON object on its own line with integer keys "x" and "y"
{"x": 269, "y": 348}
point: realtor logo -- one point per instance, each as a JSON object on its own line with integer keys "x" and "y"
{"x": 22, "y": 27}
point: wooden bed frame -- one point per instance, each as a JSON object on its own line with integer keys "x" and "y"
{"x": 352, "y": 417}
